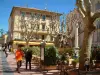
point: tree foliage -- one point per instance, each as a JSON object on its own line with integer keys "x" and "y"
{"x": 35, "y": 50}
{"x": 50, "y": 56}
{"x": 1, "y": 32}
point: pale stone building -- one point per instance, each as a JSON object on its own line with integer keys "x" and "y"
{"x": 48, "y": 25}
{"x": 96, "y": 34}
{"x": 73, "y": 18}
{"x": 71, "y": 25}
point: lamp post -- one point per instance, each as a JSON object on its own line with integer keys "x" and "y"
{"x": 42, "y": 49}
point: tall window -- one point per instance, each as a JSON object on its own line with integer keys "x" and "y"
{"x": 97, "y": 6}
{"x": 37, "y": 37}
{"x": 98, "y": 32}
{"x": 16, "y": 35}
{"x": 52, "y": 26}
{"x": 51, "y": 38}
{"x": 23, "y": 14}
{"x": 38, "y": 16}
{"x": 98, "y": 25}
{"x": 43, "y": 27}
{"x": 32, "y": 15}
{"x": 42, "y": 37}
{"x": 98, "y": 36}
{"x": 43, "y": 17}
{"x": 38, "y": 27}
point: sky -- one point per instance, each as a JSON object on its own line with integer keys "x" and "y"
{"x": 61, "y": 6}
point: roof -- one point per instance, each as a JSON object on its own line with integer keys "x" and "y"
{"x": 33, "y": 9}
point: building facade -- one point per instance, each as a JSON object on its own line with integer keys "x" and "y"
{"x": 73, "y": 18}
{"x": 39, "y": 24}
{"x": 96, "y": 33}
{"x": 71, "y": 25}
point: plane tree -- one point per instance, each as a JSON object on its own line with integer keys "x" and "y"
{"x": 29, "y": 27}
{"x": 84, "y": 8}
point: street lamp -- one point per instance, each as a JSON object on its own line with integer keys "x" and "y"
{"x": 42, "y": 49}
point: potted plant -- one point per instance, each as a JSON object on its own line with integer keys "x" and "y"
{"x": 50, "y": 57}
{"x": 75, "y": 62}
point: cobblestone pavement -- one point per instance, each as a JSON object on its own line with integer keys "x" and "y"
{"x": 8, "y": 67}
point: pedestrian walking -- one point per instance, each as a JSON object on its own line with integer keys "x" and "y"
{"x": 3, "y": 47}
{"x": 28, "y": 58}
{"x": 9, "y": 48}
{"x": 5, "y": 50}
{"x": 19, "y": 55}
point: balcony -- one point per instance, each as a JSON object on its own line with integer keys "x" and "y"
{"x": 42, "y": 31}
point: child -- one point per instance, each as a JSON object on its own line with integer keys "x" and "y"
{"x": 86, "y": 64}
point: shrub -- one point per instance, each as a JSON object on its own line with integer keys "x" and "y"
{"x": 63, "y": 57}
{"x": 76, "y": 60}
{"x": 68, "y": 50}
{"x": 63, "y": 53}
{"x": 25, "y": 48}
{"x": 50, "y": 55}
{"x": 35, "y": 50}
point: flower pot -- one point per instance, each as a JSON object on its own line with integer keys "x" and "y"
{"x": 74, "y": 64}
{"x": 50, "y": 67}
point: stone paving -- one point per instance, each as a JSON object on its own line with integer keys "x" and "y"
{"x": 8, "y": 67}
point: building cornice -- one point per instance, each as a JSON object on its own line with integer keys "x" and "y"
{"x": 34, "y": 9}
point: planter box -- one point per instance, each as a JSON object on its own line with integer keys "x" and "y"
{"x": 49, "y": 67}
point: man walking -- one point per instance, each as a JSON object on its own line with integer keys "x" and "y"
{"x": 28, "y": 57}
{"x": 19, "y": 55}
{"x": 5, "y": 50}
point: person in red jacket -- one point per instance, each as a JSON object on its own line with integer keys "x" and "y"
{"x": 19, "y": 56}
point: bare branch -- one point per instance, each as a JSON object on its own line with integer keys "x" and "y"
{"x": 87, "y": 6}
{"x": 80, "y": 6}
{"x": 95, "y": 16}
{"x": 27, "y": 27}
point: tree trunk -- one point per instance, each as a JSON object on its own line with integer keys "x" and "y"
{"x": 84, "y": 51}
{"x": 27, "y": 43}
{"x": 89, "y": 45}
{"x": 87, "y": 40}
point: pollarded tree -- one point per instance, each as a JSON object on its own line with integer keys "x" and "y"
{"x": 29, "y": 27}
{"x": 54, "y": 29}
{"x": 73, "y": 18}
{"x": 84, "y": 7}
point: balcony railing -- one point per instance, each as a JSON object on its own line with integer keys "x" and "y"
{"x": 34, "y": 31}
{"x": 34, "y": 40}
